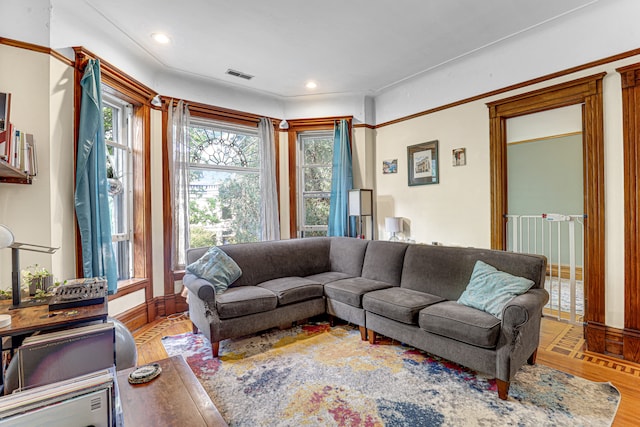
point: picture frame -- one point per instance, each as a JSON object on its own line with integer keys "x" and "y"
{"x": 459, "y": 157}
{"x": 423, "y": 163}
{"x": 390, "y": 166}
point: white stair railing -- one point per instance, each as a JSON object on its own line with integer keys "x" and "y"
{"x": 560, "y": 238}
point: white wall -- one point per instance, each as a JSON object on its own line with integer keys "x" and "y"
{"x": 63, "y": 224}
{"x": 42, "y": 213}
{"x": 559, "y": 121}
{"x": 26, "y": 20}
{"x": 456, "y": 211}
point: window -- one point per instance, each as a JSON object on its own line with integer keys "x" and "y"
{"x": 315, "y": 158}
{"x": 224, "y": 183}
{"x": 118, "y": 136}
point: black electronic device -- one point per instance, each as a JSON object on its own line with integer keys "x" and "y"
{"x": 78, "y": 293}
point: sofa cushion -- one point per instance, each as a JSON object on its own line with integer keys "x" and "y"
{"x": 350, "y": 291}
{"x": 244, "y": 300}
{"x": 347, "y": 255}
{"x": 329, "y": 276}
{"x": 461, "y": 323}
{"x": 275, "y": 259}
{"x": 217, "y": 268}
{"x": 445, "y": 271}
{"x": 490, "y": 289}
{"x": 398, "y": 304}
{"x": 293, "y": 289}
{"x": 383, "y": 261}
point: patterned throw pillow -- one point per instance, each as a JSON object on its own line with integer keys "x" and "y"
{"x": 216, "y": 267}
{"x": 490, "y": 289}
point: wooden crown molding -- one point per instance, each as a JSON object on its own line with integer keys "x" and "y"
{"x": 116, "y": 78}
{"x": 37, "y": 48}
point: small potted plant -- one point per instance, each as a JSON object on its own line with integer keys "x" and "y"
{"x": 36, "y": 279}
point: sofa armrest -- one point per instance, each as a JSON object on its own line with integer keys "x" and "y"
{"x": 199, "y": 287}
{"x": 518, "y": 311}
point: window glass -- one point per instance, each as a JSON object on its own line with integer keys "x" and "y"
{"x": 117, "y": 133}
{"x": 224, "y": 184}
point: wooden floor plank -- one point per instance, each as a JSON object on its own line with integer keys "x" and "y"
{"x": 561, "y": 347}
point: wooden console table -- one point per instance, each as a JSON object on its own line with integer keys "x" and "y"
{"x": 27, "y": 320}
{"x": 174, "y": 398}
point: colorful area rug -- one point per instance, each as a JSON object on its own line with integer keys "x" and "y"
{"x": 315, "y": 375}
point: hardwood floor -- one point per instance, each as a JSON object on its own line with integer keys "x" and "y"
{"x": 561, "y": 347}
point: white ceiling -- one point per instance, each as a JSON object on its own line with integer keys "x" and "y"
{"x": 356, "y": 46}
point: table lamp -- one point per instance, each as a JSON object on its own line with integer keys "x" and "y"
{"x": 7, "y": 241}
{"x": 393, "y": 225}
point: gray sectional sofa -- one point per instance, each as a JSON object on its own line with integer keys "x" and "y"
{"x": 403, "y": 291}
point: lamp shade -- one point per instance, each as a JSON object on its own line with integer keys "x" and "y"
{"x": 360, "y": 202}
{"x": 6, "y": 237}
{"x": 393, "y": 224}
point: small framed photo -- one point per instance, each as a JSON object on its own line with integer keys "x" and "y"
{"x": 390, "y": 166}
{"x": 423, "y": 163}
{"x": 459, "y": 157}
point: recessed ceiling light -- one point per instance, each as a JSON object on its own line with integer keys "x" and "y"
{"x": 311, "y": 85}
{"x": 161, "y": 38}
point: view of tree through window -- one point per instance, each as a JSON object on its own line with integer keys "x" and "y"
{"x": 315, "y": 159}
{"x": 224, "y": 184}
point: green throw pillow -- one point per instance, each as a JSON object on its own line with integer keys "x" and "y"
{"x": 216, "y": 267}
{"x": 490, "y": 289}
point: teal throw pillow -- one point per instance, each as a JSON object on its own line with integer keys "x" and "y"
{"x": 216, "y": 267}
{"x": 490, "y": 289}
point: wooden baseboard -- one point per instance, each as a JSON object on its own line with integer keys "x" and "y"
{"x": 596, "y": 337}
{"x": 155, "y": 308}
{"x": 614, "y": 341}
{"x": 170, "y": 304}
{"x": 134, "y": 318}
{"x": 631, "y": 345}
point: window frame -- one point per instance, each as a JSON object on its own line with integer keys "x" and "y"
{"x": 297, "y": 126}
{"x": 302, "y": 227}
{"x": 124, "y": 142}
{"x": 237, "y": 129}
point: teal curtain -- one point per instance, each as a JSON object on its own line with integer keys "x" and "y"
{"x": 91, "y": 198}
{"x": 341, "y": 181}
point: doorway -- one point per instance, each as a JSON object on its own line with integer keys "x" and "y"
{"x": 545, "y": 199}
{"x": 586, "y": 92}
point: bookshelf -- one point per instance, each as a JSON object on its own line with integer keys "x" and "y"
{"x": 10, "y": 174}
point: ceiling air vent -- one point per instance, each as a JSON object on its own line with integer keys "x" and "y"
{"x": 239, "y": 74}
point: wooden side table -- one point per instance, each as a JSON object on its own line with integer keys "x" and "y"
{"x": 174, "y": 398}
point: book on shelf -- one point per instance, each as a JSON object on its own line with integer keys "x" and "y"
{"x": 33, "y": 161}
{"x": 5, "y": 143}
{"x": 19, "y": 151}
{"x": 5, "y": 110}
{"x": 90, "y": 399}
{"x": 56, "y": 356}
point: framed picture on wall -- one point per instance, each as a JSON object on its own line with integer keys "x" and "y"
{"x": 423, "y": 163}
{"x": 459, "y": 157}
{"x": 390, "y": 166}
